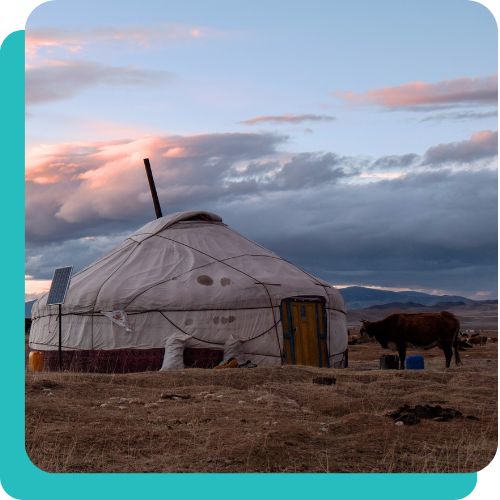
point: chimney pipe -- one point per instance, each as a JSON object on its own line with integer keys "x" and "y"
{"x": 152, "y": 187}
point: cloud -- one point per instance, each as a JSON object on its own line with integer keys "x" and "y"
{"x": 461, "y": 116}
{"x": 52, "y": 39}
{"x": 288, "y": 118}
{"x": 425, "y": 230}
{"x": 481, "y": 145}
{"x": 306, "y": 170}
{"x": 63, "y": 79}
{"x": 423, "y": 95}
{"x": 61, "y": 179}
{"x": 395, "y": 161}
{"x": 428, "y": 228}
{"x": 42, "y": 259}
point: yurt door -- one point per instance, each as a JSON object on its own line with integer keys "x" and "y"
{"x": 304, "y": 332}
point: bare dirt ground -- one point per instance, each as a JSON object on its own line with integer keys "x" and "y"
{"x": 266, "y": 419}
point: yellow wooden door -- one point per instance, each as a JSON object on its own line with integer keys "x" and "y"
{"x": 304, "y": 333}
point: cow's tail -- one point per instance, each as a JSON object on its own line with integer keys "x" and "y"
{"x": 458, "y": 361}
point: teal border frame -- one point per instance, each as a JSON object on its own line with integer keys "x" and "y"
{"x": 22, "y": 479}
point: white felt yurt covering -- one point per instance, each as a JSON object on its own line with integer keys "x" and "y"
{"x": 186, "y": 280}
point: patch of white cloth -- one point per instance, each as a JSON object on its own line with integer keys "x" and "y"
{"x": 118, "y": 317}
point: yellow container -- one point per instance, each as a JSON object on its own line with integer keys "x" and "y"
{"x": 35, "y": 361}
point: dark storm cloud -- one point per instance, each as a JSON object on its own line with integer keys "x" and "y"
{"x": 426, "y": 229}
{"x": 63, "y": 79}
{"x": 42, "y": 259}
{"x": 304, "y": 170}
{"x": 395, "y": 161}
{"x": 307, "y": 170}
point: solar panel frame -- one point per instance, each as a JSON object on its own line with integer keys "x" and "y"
{"x": 59, "y": 286}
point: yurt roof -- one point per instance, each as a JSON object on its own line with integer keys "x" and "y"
{"x": 186, "y": 261}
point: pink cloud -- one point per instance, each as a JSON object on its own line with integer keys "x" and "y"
{"x": 37, "y": 40}
{"x": 86, "y": 180}
{"x": 287, "y": 118}
{"x": 49, "y": 39}
{"x": 35, "y": 288}
{"x": 480, "y": 90}
{"x": 93, "y": 178}
{"x": 49, "y": 164}
{"x": 484, "y": 137}
{"x": 174, "y": 152}
{"x": 480, "y": 145}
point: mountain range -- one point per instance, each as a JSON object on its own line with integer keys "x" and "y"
{"x": 358, "y": 297}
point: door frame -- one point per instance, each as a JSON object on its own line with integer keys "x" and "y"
{"x": 320, "y": 335}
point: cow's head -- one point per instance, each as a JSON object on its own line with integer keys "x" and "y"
{"x": 365, "y": 328}
{"x": 370, "y": 328}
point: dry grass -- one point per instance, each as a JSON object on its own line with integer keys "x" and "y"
{"x": 265, "y": 419}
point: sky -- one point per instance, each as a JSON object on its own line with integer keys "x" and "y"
{"x": 356, "y": 139}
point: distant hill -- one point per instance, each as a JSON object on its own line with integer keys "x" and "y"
{"x": 414, "y": 305}
{"x": 358, "y": 297}
{"x": 397, "y": 305}
{"x": 449, "y": 305}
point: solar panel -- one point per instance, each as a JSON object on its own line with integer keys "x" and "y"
{"x": 59, "y": 286}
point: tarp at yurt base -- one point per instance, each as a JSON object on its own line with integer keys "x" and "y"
{"x": 187, "y": 290}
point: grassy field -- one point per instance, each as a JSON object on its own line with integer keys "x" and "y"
{"x": 265, "y": 419}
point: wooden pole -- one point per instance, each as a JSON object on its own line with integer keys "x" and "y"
{"x": 152, "y": 187}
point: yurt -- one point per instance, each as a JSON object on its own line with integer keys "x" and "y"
{"x": 186, "y": 290}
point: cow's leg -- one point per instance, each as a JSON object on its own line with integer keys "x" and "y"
{"x": 402, "y": 355}
{"x": 458, "y": 361}
{"x": 448, "y": 353}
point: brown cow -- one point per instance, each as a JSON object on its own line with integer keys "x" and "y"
{"x": 478, "y": 339}
{"x": 423, "y": 330}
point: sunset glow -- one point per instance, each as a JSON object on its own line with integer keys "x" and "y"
{"x": 361, "y": 160}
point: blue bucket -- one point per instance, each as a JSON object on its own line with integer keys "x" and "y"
{"x": 415, "y": 362}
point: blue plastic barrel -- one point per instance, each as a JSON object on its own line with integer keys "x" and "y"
{"x": 415, "y": 362}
